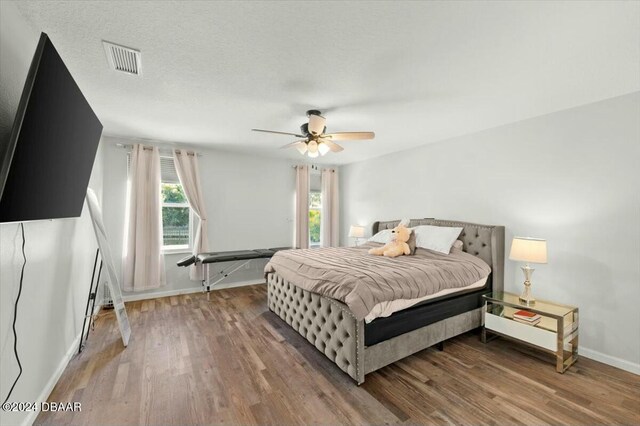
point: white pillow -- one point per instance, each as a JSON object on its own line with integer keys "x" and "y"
{"x": 382, "y": 237}
{"x": 436, "y": 238}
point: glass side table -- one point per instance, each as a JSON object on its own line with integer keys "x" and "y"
{"x": 556, "y": 333}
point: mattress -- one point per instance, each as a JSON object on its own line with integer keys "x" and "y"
{"x": 385, "y": 309}
{"x": 424, "y": 313}
{"x": 360, "y": 280}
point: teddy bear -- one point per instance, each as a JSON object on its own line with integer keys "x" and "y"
{"x": 397, "y": 244}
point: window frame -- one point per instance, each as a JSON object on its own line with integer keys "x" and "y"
{"x": 319, "y": 210}
{"x": 175, "y": 249}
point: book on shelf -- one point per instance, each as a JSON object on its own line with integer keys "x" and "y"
{"x": 533, "y": 322}
{"x": 526, "y": 316}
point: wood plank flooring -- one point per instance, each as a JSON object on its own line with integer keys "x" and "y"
{"x": 231, "y": 361}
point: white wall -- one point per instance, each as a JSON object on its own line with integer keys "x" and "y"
{"x": 59, "y": 255}
{"x": 249, "y": 203}
{"x": 570, "y": 177}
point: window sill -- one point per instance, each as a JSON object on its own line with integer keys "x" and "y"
{"x": 176, "y": 251}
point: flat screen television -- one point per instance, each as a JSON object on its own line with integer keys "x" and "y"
{"x": 46, "y": 165}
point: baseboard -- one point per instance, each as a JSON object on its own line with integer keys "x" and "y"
{"x": 166, "y": 293}
{"x": 53, "y": 380}
{"x": 622, "y": 364}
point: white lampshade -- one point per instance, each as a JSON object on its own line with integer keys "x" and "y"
{"x": 524, "y": 249}
{"x": 312, "y": 147}
{"x": 356, "y": 231}
{"x": 302, "y": 148}
{"x": 316, "y": 124}
{"x": 323, "y": 148}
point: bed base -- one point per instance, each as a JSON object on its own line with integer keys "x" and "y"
{"x": 330, "y": 326}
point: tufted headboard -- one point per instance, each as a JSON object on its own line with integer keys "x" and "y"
{"x": 484, "y": 241}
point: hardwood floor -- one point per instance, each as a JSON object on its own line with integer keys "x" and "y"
{"x": 230, "y": 360}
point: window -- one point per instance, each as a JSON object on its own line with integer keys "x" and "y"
{"x": 315, "y": 210}
{"x": 177, "y": 218}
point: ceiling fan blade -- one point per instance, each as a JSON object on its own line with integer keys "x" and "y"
{"x": 334, "y": 147}
{"x": 294, "y": 144}
{"x": 316, "y": 124}
{"x": 350, "y": 136}
{"x": 279, "y": 133}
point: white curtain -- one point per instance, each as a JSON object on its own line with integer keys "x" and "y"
{"x": 329, "y": 224}
{"x": 302, "y": 207}
{"x": 189, "y": 175}
{"x": 143, "y": 261}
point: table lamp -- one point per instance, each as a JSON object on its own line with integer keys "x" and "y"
{"x": 528, "y": 250}
{"x": 357, "y": 232}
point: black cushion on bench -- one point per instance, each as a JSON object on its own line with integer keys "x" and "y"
{"x": 229, "y": 256}
{"x": 226, "y": 256}
{"x": 186, "y": 261}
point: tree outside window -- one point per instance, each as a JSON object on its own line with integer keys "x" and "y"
{"x": 176, "y": 217}
{"x": 315, "y": 210}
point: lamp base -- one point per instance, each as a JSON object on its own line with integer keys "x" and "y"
{"x": 526, "y": 297}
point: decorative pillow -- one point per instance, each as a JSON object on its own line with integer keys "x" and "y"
{"x": 384, "y": 236}
{"x": 412, "y": 242}
{"x": 457, "y": 244}
{"x": 381, "y": 237}
{"x": 436, "y": 238}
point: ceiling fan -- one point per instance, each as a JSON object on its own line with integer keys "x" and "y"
{"x": 316, "y": 141}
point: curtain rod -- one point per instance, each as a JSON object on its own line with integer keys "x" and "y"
{"x": 162, "y": 150}
{"x": 315, "y": 167}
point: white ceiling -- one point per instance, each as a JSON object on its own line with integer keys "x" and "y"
{"x": 413, "y": 72}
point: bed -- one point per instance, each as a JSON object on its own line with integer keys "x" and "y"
{"x": 359, "y": 347}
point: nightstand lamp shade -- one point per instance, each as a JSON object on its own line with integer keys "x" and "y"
{"x": 528, "y": 250}
{"x": 356, "y": 232}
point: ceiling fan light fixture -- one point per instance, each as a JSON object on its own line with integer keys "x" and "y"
{"x": 323, "y": 148}
{"x": 316, "y": 124}
{"x": 315, "y": 141}
{"x": 302, "y": 148}
{"x": 312, "y": 148}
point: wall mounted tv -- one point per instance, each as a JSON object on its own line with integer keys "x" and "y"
{"x": 46, "y": 165}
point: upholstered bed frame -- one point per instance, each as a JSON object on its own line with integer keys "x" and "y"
{"x": 331, "y": 327}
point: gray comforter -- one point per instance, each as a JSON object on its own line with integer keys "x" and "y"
{"x": 361, "y": 280}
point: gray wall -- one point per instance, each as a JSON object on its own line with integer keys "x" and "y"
{"x": 59, "y": 255}
{"x": 570, "y": 177}
{"x": 249, "y": 202}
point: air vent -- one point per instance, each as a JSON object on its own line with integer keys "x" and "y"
{"x": 123, "y": 59}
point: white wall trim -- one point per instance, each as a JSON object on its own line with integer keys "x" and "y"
{"x": 53, "y": 380}
{"x": 613, "y": 361}
{"x": 177, "y": 292}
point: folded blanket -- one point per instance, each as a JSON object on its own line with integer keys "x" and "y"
{"x": 361, "y": 280}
